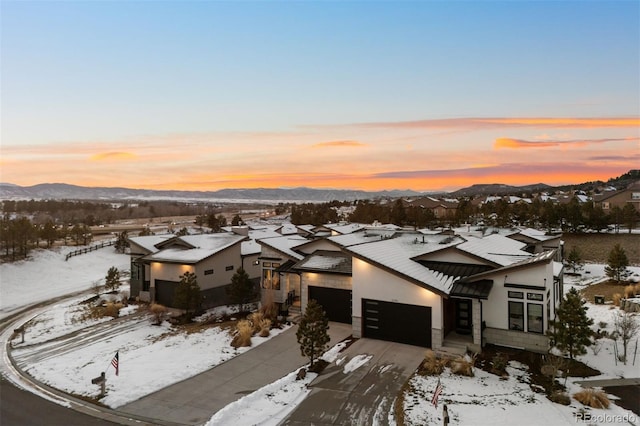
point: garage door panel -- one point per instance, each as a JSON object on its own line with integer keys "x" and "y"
{"x": 397, "y": 322}
{"x": 335, "y": 302}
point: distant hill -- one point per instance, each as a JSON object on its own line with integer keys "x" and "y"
{"x": 63, "y": 191}
{"x": 499, "y": 189}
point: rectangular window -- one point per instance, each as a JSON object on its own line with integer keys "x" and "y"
{"x": 266, "y": 264}
{"x": 635, "y": 195}
{"x": 228, "y": 268}
{"x": 516, "y": 295}
{"x": 208, "y": 271}
{"x": 548, "y": 310}
{"x": 516, "y": 316}
{"x": 270, "y": 279}
{"x": 534, "y": 318}
{"x": 535, "y": 296}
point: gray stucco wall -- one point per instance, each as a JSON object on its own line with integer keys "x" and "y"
{"x": 516, "y": 339}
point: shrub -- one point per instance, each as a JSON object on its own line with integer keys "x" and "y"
{"x": 592, "y": 398}
{"x": 499, "y": 363}
{"x": 265, "y": 326}
{"x": 629, "y": 291}
{"x": 243, "y": 333}
{"x": 602, "y": 324}
{"x": 112, "y": 309}
{"x": 159, "y": 312}
{"x": 270, "y": 311}
{"x": 560, "y": 397}
{"x": 463, "y": 366}
{"x": 255, "y": 319}
{"x": 432, "y": 365}
{"x": 616, "y": 299}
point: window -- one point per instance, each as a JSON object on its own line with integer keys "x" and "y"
{"x": 635, "y": 195}
{"x": 516, "y": 316}
{"x": 228, "y": 268}
{"x": 266, "y": 264}
{"x": 534, "y": 318}
{"x": 270, "y": 279}
{"x": 535, "y": 296}
{"x": 208, "y": 271}
{"x": 516, "y": 295}
{"x": 548, "y": 310}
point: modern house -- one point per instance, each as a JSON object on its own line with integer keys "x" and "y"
{"x": 158, "y": 262}
{"x": 424, "y": 289}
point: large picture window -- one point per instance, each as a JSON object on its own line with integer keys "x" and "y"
{"x": 270, "y": 279}
{"x": 534, "y": 318}
{"x": 516, "y": 316}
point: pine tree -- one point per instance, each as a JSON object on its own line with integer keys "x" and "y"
{"x": 242, "y": 290}
{"x": 122, "y": 242}
{"x": 187, "y": 295}
{"x": 617, "y": 263}
{"x": 574, "y": 259}
{"x": 312, "y": 331}
{"x": 570, "y": 331}
{"x": 112, "y": 280}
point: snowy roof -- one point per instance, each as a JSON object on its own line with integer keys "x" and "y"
{"x": 326, "y": 261}
{"x": 557, "y": 269}
{"x": 288, "y": 229}
{"x": 359, "y": 237}
{"x": 149, "y": 242}
{"x": 536, "y": 234}
{"x": 284, "y": 244}
{"x": 258, "y": 234}
{"x": 348, "y": 228}
{"x": 205, "y": 245}
{"x": 396, "y": 254}
{"x": 250, "y": 247}
{"x": 496, "y": 248}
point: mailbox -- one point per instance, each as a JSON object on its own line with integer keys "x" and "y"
{"x": 98, "y": 380}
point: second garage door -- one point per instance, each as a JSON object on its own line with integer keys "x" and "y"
{"x": 335, "y": 302}
{"x": 397, "y": 322}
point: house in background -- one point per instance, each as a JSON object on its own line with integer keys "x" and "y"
{"x": 610, "y": 199}
{"x": 213, "y": 258}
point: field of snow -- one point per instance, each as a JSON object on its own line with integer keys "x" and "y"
{"x": 66, "y": 353}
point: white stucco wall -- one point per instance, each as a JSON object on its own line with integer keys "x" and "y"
{"x": 371, "y": 282}
{"x": 321, "y": 244}
{"x": 495, "y": 309}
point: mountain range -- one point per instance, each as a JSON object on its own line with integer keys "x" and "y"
{"x": 62, "y": 191}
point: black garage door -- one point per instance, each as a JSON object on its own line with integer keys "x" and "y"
{"x": 335, "y": 302}
{"x": 165, "y": 292}
{"x": 397, "y": 322}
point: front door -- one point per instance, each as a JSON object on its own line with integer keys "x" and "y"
{"x": 463, "y": 316}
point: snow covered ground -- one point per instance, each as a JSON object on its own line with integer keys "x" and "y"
{"x": 152, "y": 357}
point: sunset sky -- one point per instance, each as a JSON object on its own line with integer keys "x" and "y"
{"x": 422, "y": 95}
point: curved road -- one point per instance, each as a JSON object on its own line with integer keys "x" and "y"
{"x": 22, "y": 408}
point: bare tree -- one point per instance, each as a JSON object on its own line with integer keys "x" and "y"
{"x": 626, "y": 327}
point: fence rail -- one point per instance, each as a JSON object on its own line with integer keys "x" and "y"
{"x": 90, "y": 249}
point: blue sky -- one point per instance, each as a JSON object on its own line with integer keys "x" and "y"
{"x": 135, "y": 75}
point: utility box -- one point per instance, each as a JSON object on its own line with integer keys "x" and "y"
{"x": 599, "y": 300}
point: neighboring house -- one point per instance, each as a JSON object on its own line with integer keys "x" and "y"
{"x": 539, "y": 241}
{"x": 214, "y": 258}
{"x": 426, "y": 289}
{"x": 610, "y": 199}
{"x": 441, "y": 209}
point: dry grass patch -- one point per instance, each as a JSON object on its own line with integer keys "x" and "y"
{"x": 242, "y": 335}
{"x": 606, "y": 289}
{"x": 592, "y": 398}
{"x": 616, "y": 299}
{"x": 431, "y": 365}
{"x": 265, "y": 326}
{"x": 463, "y": 366}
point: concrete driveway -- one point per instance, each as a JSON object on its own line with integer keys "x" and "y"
{"x": 364, "y": 396}
{"x": 195, "y": 400}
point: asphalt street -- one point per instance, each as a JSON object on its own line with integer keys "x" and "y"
{"x": 22, "y": 408}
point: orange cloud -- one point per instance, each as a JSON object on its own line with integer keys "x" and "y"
{"x": 498, "y": 122}
{"x": 113, "y": 156}
{"x": 340, "y": 144}
{"x": 519, "y": 143}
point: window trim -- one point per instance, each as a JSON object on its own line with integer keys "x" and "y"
{"x": 510, "y": 315}
{"x": 541, "y": 318}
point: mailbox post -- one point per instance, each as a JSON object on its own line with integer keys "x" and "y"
{"x": 102, "y": 381}
{"x": 20, "y": 331}
{"x": 445, "y": 415}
